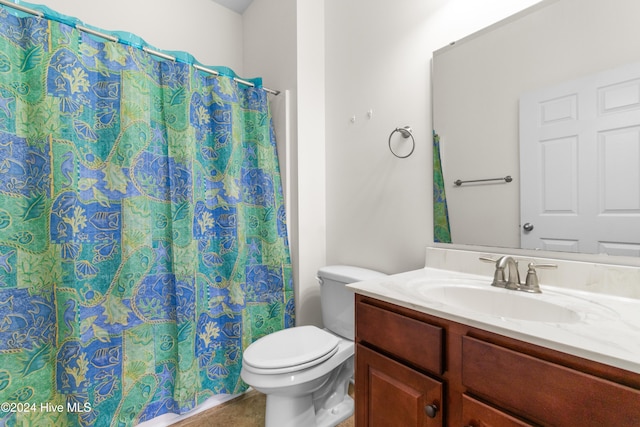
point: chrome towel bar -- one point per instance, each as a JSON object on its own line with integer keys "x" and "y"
{"x": 506, "y": 179}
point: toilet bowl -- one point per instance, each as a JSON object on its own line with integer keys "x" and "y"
{"x": 305, "y": 370}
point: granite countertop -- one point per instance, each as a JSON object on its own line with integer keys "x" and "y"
{"x": 604, "y": 328}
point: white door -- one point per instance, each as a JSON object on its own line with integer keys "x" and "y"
{"x": 580, "y": 165}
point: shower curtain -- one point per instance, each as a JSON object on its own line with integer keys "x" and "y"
{"x": 441, "y": 227}
{"x": 143, "y": 239}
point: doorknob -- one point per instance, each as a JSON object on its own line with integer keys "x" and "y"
{"x": 527, "y": 226}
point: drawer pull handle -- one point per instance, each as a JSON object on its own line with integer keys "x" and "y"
{"x": 431, "y": 410}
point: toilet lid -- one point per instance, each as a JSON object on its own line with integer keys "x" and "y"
{"x": 291, "y": 348}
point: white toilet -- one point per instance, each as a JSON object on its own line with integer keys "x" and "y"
{"x": 305, "y": 371}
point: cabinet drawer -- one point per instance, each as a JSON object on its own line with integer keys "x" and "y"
{"x": 545, "y": 392}
{"x": 411, "y": 340}
{"x": 478, "y": 414}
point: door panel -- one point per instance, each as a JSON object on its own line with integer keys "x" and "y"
{"x": 580, "y": 164}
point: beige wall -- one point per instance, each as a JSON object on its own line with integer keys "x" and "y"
{"x": 379, "y": 208}
{"x": 192, "y": 26}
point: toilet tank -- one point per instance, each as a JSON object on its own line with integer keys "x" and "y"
{"x": 337, "y": 302}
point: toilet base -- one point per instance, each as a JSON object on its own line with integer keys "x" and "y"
{"x": 336, "y": 415}
{"x": 289, "y": 411}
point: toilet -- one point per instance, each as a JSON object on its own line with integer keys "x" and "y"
{"x": 305, "y": 370}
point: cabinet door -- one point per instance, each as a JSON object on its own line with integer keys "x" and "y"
{"x": 389, "y": 394}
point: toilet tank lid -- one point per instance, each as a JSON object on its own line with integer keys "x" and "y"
{"x": 348, "y": 273}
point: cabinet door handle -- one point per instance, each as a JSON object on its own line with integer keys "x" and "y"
{"x": 431, "y": 410}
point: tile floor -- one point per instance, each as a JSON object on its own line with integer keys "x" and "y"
{"x": 244, "y": 411}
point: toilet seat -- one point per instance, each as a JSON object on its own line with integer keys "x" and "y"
{"x": 290, "y": 350}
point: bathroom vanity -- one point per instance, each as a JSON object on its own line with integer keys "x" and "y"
{"x": 424, "y": 361}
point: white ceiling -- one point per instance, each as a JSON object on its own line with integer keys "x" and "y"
{"x": 236, "y": 5}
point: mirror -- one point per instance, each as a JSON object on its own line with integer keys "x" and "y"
{"x": 477, "y": 84}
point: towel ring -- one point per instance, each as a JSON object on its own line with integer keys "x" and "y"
{"x": 406, "y": 132}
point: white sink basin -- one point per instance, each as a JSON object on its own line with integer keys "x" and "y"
{"x": 477, "y": 295}
{"x": 500, "y": 303}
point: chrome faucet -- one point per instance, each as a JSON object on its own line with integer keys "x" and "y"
{"x": 504, "y": 265}
{"x": 507, "y": 264}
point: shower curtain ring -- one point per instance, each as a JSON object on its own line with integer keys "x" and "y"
{"x": 406, "y": 132}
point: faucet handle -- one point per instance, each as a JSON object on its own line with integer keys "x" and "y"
{"x": 487, "y": 259}
{"x": 531, "y": 283}
{"x": 534, "y": 265}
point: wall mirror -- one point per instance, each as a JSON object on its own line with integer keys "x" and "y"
{"x": 478, "y": 83}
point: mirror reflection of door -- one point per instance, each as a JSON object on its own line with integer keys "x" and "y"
{"x": 580, "y": 183}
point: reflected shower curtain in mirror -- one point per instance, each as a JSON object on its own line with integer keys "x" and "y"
{"x": 142, "y": 230}
{"x": 441, "y": 228}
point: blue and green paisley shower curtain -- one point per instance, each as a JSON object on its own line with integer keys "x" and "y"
{"x": 142, "y": 230}
{"x": 441, "y": 227}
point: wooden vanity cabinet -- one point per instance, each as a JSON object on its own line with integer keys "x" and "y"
{"x": 414, "y": 369}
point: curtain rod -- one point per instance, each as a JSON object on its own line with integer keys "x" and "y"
{"x": 144, "y": 48}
